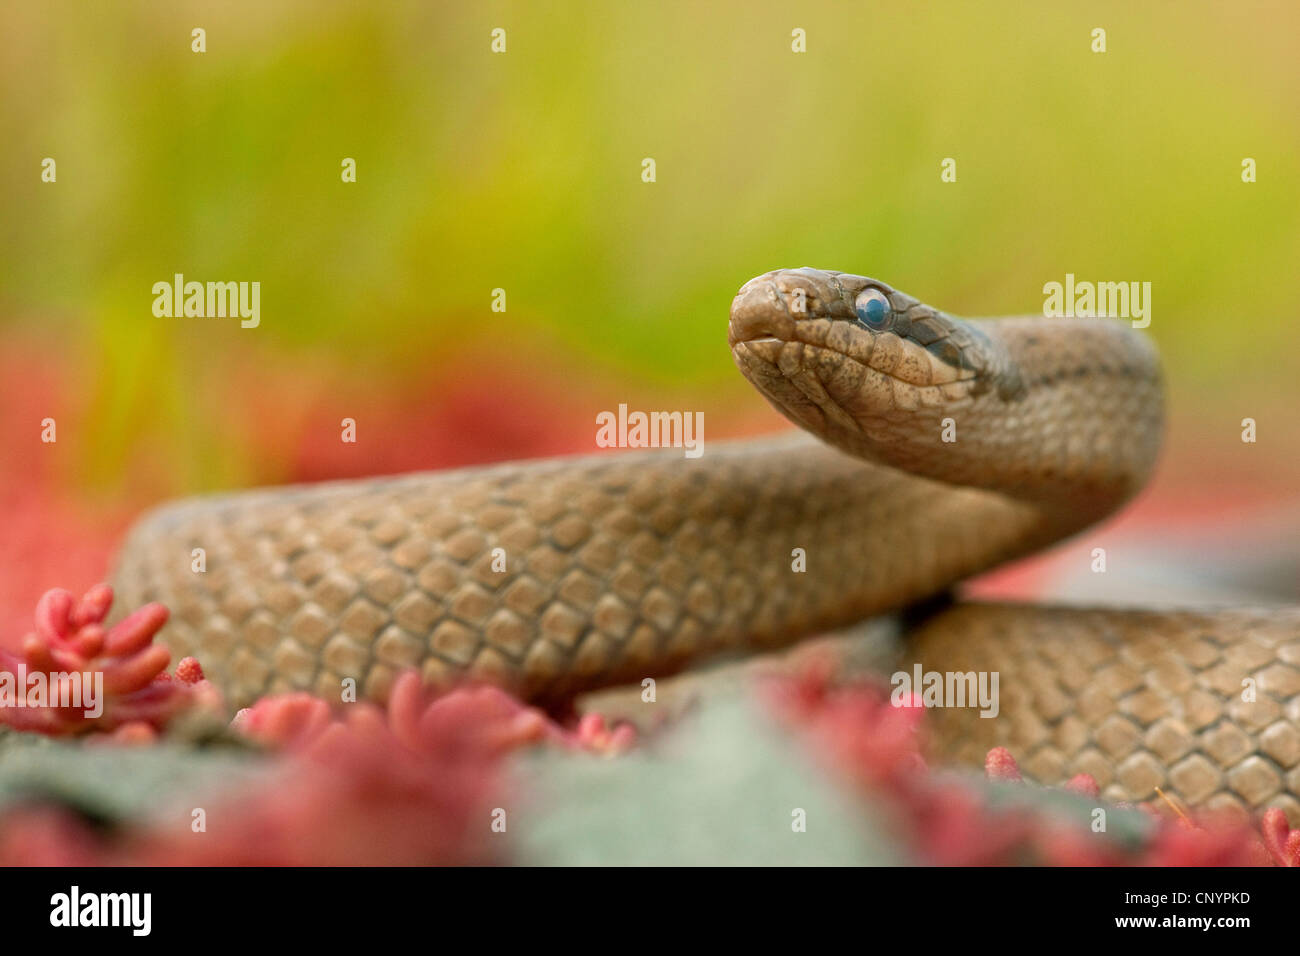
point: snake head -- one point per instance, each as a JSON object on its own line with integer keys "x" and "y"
{"x": 853, "y": 359}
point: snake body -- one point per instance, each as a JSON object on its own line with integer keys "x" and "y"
{"x": 933, "y": 448}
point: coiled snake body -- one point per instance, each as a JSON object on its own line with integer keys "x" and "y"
{"x": 968, "y": 443}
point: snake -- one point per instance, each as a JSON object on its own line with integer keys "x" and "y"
{"x": 929, "y": 448}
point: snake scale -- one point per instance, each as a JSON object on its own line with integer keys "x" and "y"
{"x": 932, "y": 448}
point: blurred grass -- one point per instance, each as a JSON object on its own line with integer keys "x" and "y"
{"x": 523, "y": 171}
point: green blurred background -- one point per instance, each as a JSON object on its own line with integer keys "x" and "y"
{"x": 523, "y": 171}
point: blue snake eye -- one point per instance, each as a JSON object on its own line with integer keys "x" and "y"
{"x": 873, "y": 310}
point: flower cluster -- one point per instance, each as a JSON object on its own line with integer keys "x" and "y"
{"x": 72, "y": 661}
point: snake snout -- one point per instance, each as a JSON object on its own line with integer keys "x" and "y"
{"x": 772, "y": 305}
{"x": 758, "y": 312}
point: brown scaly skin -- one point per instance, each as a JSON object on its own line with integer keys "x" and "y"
{"x": 1138, "y": 699}
{"x": 623, "y": 566}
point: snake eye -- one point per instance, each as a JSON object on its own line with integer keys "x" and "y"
{"x": 873, "y": 310}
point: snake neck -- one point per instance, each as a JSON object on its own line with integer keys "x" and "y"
{"x": 1069, "y": 415}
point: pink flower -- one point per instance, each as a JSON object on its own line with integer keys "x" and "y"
{"x": 70, "y": 638}
{"x": 494, "y": 721}
{"x": 1083, "y": 783}
{"x": 1282, "y": 842}
{"x": 1000, "y": 765}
